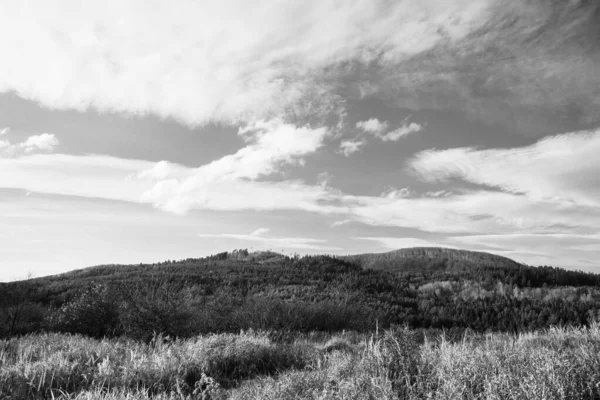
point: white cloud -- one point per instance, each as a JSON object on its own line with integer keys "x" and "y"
{"x": 232, "y": 59}
{"x": 4, "y": 131}
{"x": 260, "y": 232}
{"x": 394, "y": 243}
{"x": 563, "y": 168}
{"x": 237, "y": 182}
{"x": 259, "y": 237}
{"x": 349, "y": 147}
{"x": 213, "y": 61}
{"x": 473, "y": 211}
{"x": 87, "y": 176}
{"x": 45, "y": 142}
{"x": 400, "y": 132}
{"x": 376, "y": 128}
{"x": 570, "y": 250}
{"x": 373, "y": 126}
{"x": 270, "y": 144}
{"x": 244, "y": 181}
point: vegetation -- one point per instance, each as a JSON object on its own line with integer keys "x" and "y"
{"x": 422, "y": 288}
{"x": 410, "y": 324}
{"x": 558, "y": 363}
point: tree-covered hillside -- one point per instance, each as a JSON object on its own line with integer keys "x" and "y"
{"x": 421, "y": 288}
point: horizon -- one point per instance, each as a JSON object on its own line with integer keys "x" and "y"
{"x": 133, "y": 133}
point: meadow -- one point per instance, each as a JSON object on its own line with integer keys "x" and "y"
{"x": 555, "y": 363}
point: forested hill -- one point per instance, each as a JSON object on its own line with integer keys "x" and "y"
{"x": 418, "y": 259}
{"x": 420, "y": 287}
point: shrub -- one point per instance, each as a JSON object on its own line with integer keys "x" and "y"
{"x": 156, "y": 307}
{"x": 94, "y": 312}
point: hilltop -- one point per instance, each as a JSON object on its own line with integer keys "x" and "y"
{"x": 421, "y": 259}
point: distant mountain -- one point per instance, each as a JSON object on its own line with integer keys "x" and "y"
{"x": 420, "y": 259}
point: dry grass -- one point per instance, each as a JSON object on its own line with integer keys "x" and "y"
{"x": 555, "y": 364}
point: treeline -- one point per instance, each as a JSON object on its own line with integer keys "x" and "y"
{"x": 228, "y": 292}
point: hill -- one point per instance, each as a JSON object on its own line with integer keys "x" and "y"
{"x": 419, "y": 287}
{"x": 421, "y": 259}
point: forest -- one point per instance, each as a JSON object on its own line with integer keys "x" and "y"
{"x": 426, "y": 289}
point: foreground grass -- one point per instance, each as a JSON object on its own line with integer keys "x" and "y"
{"x": 555, "y": 364}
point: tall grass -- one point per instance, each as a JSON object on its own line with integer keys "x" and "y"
{"x": 559, "y": 363}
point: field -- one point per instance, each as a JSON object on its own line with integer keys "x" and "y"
{"x": 556, "y": 363}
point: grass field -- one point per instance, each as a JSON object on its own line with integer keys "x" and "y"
{"x": 560, "y": 363}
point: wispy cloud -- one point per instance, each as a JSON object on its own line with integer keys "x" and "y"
{"x": 394, "y": 243}
{"x": 379, "y": 129}
{"x": 571, "y": 250}
{"x": 532, "y": 66}
{"x": 349, "y": 147}
{"x": 404, "y": 130}
{"x": 259, "y": 237}
{"x": 4, "y": 131}
{"x": 373, "y": 126}
{"x": 270, "y": 144}
{"x": 561, "y": 168}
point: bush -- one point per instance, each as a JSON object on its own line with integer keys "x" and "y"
{"x": 94, "y": 312}
{"x": 156, "y": 307}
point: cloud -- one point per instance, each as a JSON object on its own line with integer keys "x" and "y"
{"x": 475, "y": 211}
{"x": 223, "y": 61}
{"x": 269, "y": 145}
{"x": 531, "y": 67}
{"x": 260, "y": 232}
{"x": 349, "y": 147}
{"x": 4, "y": 131}
{"x": 45, "y": 142}
{"x": 94, "y": 176}
{"x": 258, "y": 236}
{"x": 561, "y": 168}
{"x": 394, "y": 243}
{"x": 245, "y": 181}
{"x": 571, "y": 250}
{"x": 400, "y": 132}
{"x": 373, "y": 126}
{"x": 545, "y": 189}
{"x": 376, "y": 128}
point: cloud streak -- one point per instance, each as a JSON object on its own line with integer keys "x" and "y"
{"x": 259, "y": 237}
{"x": 561, "y": 168}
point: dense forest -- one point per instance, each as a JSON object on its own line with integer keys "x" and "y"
{"x": 423, "y": 288}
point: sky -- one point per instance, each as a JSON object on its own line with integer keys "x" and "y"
{"x": 143, "y": 131}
